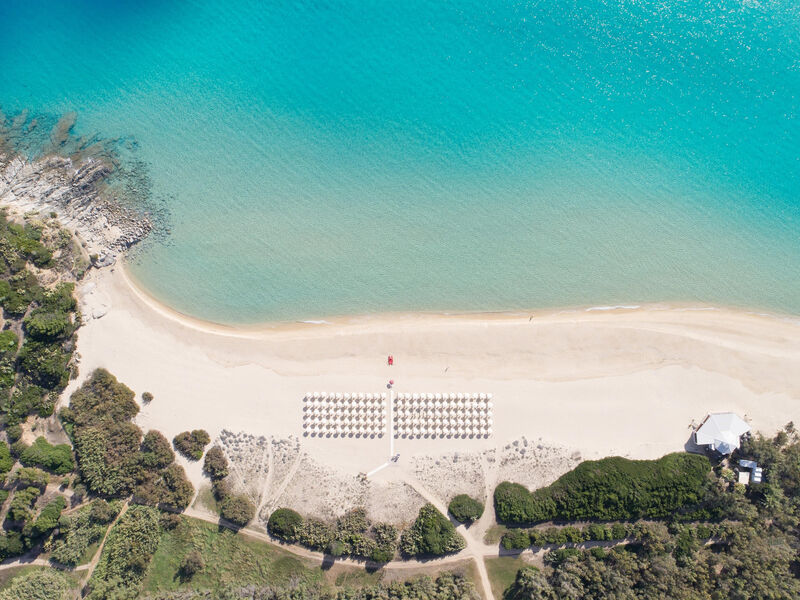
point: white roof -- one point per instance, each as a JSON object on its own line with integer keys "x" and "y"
{"x": 721, "y": 431}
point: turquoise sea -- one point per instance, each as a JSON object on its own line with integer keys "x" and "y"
{"x": 321, "y": 157}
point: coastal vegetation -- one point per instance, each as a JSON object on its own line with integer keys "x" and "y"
{"x": 79, "y": 531}
{"x": 37, "y": 340}
{"x": 236, "y": 566}
{"x": 128, "y": 550}
{"x": 431, "y": 534}
{"x": 192, "y": 443}
{"x": 613, "y": 488}
{"x": 465, "y": 509}
{"x": 54, "y": 458}
{"x": 114, "y": 458}
{"x": 750, "y": 551}
{"x": 352, "y": 534}
{"x": 215, "y": 463}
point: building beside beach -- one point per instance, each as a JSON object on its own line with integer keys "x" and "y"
{"x": 721, "y": 432}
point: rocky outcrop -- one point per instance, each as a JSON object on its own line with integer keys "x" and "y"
{"x": 79, "y": 196}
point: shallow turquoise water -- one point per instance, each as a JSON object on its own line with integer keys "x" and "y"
{"x": 324, "y": 158}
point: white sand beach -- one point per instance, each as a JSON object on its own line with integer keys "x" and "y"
{"x": 567, "y": 385}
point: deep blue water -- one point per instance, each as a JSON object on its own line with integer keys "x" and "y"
{"x": 323, "y": 158}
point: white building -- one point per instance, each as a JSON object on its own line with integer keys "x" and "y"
{"x": 721, "y": 432}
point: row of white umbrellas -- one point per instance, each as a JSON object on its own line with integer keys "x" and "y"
{"x": 434, "y": 432}
{"x": 461, "y": 397}
{"x": 343, "y": 410}
{"x": 343, "y": 396}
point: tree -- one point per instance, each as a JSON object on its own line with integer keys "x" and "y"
{"x": 530, "y": 584}
{"x": 238, "y": 509}
{"x": 192, "y": 443}
{"x": 147, "y": 397}
{"x": 56, "y": 459}
{"x": 284, "y": 524}
{"x": 156, "y": 451}
{"x": 215, "y": 464}
{"x": 465, "y": 509}
{"x": 432, "y": 534}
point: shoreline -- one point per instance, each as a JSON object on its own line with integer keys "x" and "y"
{"x": 394, "y": 318}
{"x": 567, "y": 385}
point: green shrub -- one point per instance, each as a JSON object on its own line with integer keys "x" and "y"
{"x": 102, "y": 512}
{"x": 191, "y": 564}
{"x": 238, "y": 509}
{"x": 516, "y": 539}
{"x": 147, "y": 397}
{"x": 192, "y": 443}
{"x": 106, "y": 442}
{"x": 11, "y": 544}
{"x": 215, "y": 463}
{"x": 432, "y": 534}
{"x": 6, "y": 461}
{"x": 465, "y": 509}
{"x": 14, "y": 433}
{"x": 56, "y": 459}
{"x": 48, "y": 517}
{"x": 30, "y": 477}
{"x": 45, "y": 364}
{"x": 611, "y": 488}
{"x": 168, "y": 488}
{"x": 21, "y": 503}
{"x": 156, "y": 452}
{"x": 284, "y": 524}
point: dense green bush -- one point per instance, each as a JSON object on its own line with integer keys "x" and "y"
{"x": 21, "y": 503}
{"x": 284, "y": 524}
{"x": 432, "y": 534}
{"x": 465, "y": 509}
{"x": 48, "y": 517}
{"x": 156, "y": 452}
{"x": 515, "y": 539}
{"x": 53, "y": 319}
{"x": 11, "y": 544}
{"x": 6, "y": 461}
{"x": 9, "y": 344}
{"x": 608, "y": 489}
{"x": 215, "y": 463}
{"x": 45, "y": 364}
{"x": 168, "y": 488}
{"x": 238, "y": 509}
{"x": 56, "y": 459}
{"x": 192, "y": 443}
{"x": 106, "y": 442}
{"x": 30, "y": 477}
{"x": 352, "y": 534}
